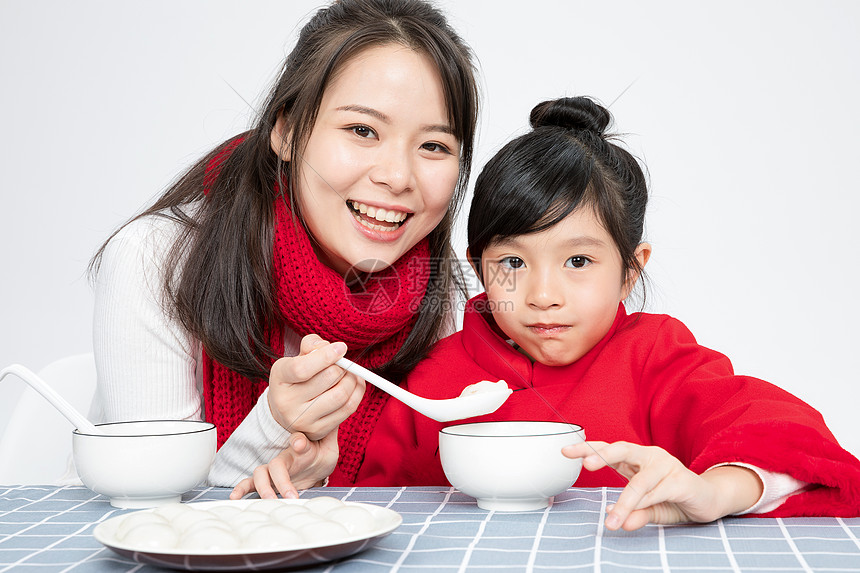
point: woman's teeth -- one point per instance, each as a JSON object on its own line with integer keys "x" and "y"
{"x": 381, "y": 215}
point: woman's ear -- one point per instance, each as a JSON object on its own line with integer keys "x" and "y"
{"x": 280, "y": 138}
{"x": 642, "y": 254}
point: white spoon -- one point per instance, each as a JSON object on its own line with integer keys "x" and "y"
{"x": 473, "y": 402}
{"x": 76, "y": 418}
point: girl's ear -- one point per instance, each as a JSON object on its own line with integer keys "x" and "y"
{"x": 280, "y": 138}
{"x": 642, "y": 254}
{"x": 476, "y": 269}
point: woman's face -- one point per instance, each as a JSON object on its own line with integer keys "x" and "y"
{"x": 556, "y": 293}
{"x": 381, "y": 163}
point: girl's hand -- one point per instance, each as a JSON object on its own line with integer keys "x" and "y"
{"x": 663, "y": 490}
{"x": 303, "y": 464}
{"x": 309, "y": 393}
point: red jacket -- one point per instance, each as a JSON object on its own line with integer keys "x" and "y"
{"x": 647, "y": 382}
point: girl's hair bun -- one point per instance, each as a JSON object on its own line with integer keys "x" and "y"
{"x": 577, "y": 113}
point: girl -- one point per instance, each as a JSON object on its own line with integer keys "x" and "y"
{"x": 555, "y": 235}
{"x": 314, "y": 230}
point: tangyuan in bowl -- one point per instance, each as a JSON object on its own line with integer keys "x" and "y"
{"x": 510, "y": 466}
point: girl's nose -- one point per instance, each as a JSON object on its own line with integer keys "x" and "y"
{"x": 543, "y": 291}
{"x": 393, "y": 169}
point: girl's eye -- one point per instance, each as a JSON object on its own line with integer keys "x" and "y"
{"x": 512, "y": 262}
{"x": 577, "y": 262}
{"x": 363, "y": 131}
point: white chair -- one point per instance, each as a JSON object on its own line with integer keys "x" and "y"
{"x": 36, "y": 445}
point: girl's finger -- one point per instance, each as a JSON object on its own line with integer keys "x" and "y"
{"x": 582, "y": 449}
{"x": 638, "y": 519}
{"x": 619, "y": 455}
{"x": 635, "y": 496}
{"x": 626, "y": 504}
{"x": 664, "y": 513}
{"x": 658, "y": 490}
{"x": 644, "y": 488}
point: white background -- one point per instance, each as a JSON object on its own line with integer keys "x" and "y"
{"x": 745, "y": 112}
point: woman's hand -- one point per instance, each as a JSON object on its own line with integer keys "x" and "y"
{"x": 303, "y": 464}
{"x": 309, "y": 393}
{"x": 663, "y": 490}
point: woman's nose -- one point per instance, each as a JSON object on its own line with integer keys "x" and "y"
{"x": 394, "y": 168}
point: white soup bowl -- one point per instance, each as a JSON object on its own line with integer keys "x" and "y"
{"x": 510, "y": 466}
{"x": 145, "y": 464}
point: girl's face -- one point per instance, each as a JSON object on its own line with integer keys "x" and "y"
{"x": 381, "y": 164}
{"x": 556, "y": 293}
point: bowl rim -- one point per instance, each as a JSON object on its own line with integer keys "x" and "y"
{"x": 564, "y": 428}
{"x": 207, "y": 427}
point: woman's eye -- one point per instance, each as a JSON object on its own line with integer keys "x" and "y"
{"x": 577, "y": 262}
{"x": 512, "y": 263}
{"x": 363, "y": 131}
{"x": 435, "y": 147}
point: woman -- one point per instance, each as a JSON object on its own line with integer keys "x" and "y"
{"x": 323, "y": 228}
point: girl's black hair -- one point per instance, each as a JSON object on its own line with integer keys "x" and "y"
{"x": 218, "y": 273}
{"x": 565, "y": 162}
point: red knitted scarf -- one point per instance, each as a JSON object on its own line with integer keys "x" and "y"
{"x": 373, "y": 320}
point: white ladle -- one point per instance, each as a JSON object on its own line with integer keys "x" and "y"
{"x": 76, "y": 418}
{"x": 447, "y": 410}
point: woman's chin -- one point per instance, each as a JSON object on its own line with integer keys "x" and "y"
{"x": 370, "y": 265}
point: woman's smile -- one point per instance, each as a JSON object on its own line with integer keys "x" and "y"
{"x": 377, "y": 218}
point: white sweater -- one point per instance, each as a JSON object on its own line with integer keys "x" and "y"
{"x": 148, "y": 365}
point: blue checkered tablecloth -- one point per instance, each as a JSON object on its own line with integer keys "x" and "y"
{"x": 50, "y": 529}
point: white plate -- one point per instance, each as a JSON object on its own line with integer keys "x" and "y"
{"x": 289, "y": 556}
